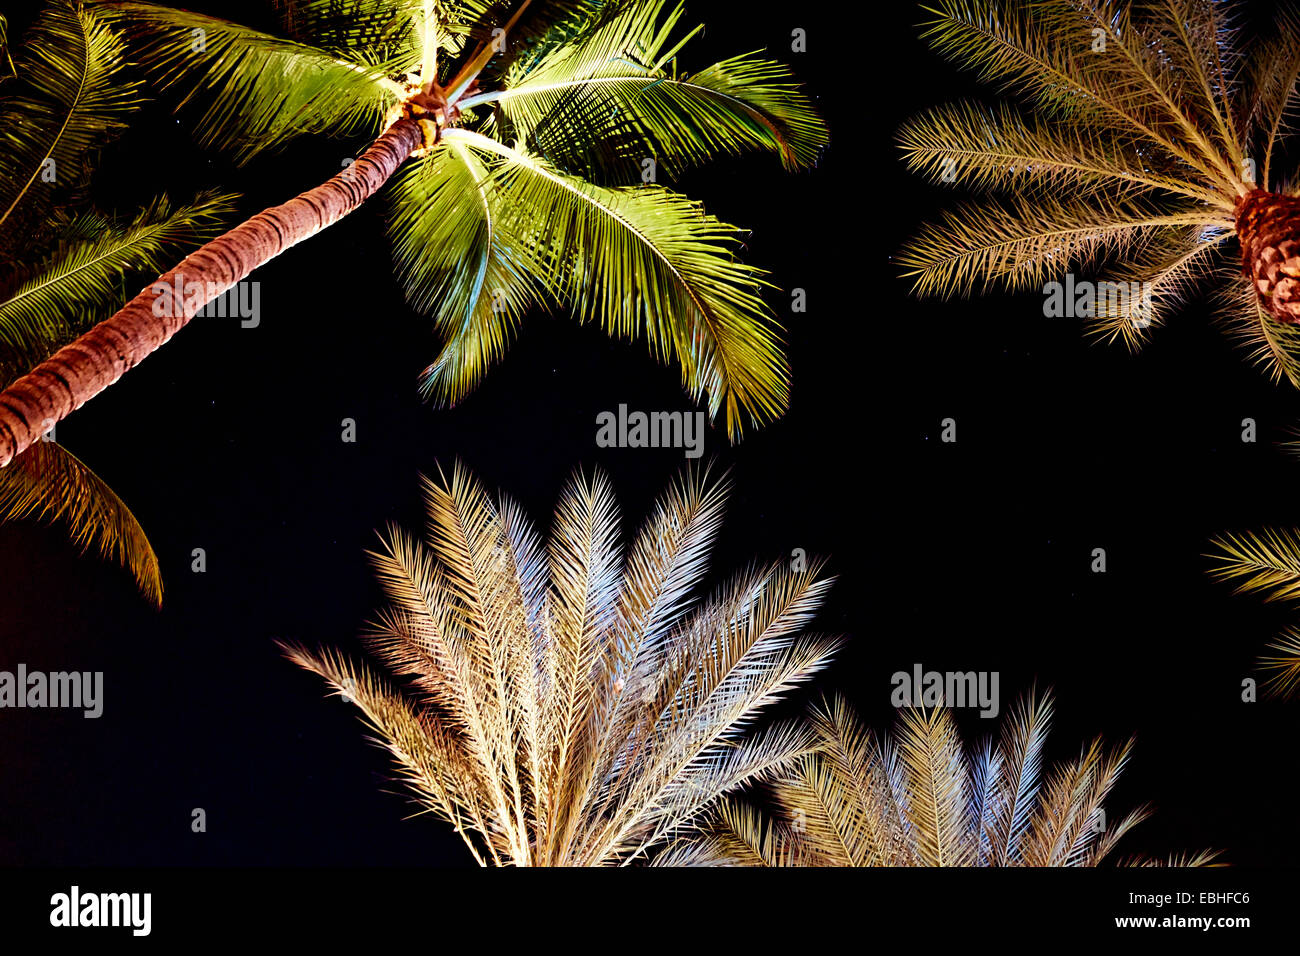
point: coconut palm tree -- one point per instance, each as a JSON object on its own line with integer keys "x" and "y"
{"x": 1145, "y": 142}
{"x": 65, "y": 264}
{"x": 518, "y": 129}
{"x": 922, "y": 800}
{"x": 569, "y": 705}
{"x": 1267, "y": 563}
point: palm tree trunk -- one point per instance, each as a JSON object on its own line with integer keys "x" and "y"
{"x": 82, "y": 369}
{"x": 1268, "y": 226}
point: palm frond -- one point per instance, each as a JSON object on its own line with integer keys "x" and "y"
{"x": 649, "y": 263}
{"x": 923, "y": 801}
{"x": 50, "y": 484}
{"x": 69, "y": 100}
{"x": 1158, "y": 279}
{"x": 84, "y": 276}
{"x": 253, "y": 91}
{"x": 1283, "y": 666}
{"x": 1273, "y": 346}
{"x": 602, "y": 104}
{"x": 1044, "y": 50}
{"x": 982, "y": 147}
{"x": 457, "y": 261}
{"x": 518, "y": 655}
{"x": 1266, "y": 562}
{"x": 1022, "y": 243}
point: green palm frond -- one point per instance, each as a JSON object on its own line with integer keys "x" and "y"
{"x": 567, "y": 706}
{"x": 253, "y": 91}
{"x": 602, "y": 104}
{"x": 50, "y": 484}
{"x": 924, "y": 800}
{"x": 69, "y": 98}
{"x": 457, "y": 261}
{"x": 388, "y": 35}
{"x": 648, "y": 263}
{"x": 84, "y": 276}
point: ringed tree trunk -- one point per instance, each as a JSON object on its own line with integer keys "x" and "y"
{"x": 79, "y": 371}
{"x": 1268, "y": 226}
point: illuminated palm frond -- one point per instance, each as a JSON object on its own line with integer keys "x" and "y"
{"x": 644, "y": 263}
{"x": 67, "y": 99}
{"x": 50, "y": 484}
{"x": 252, "y": 91}
{"x": 1267, "y": 563}
{"x": 922, "y": 799}
{"x": 83, "y": 276}
{"x": 603, "y": 103}
{"x": 568, "y": 705}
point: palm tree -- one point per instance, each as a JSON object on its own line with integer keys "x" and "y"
{"x": 1146, "y": 141}
{"x": 570, "y": 706}
{"x": 64, "y": 265}
{"x": 525, "y": 128}
{"x": 921, "y": 800}
{"x": 1267, "y": 563}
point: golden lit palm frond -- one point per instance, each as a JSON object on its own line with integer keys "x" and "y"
{"x": 1129, "y": 133}
{"x": 568, "y": 705}
{"x": 1283, "y": 666}
{"x": 1273, "y": 346}
{"x": 922, "y": 799}
{"x": 1268, "y": 563}
{"x": 50, "y": 484}
{"x": 1023, "y": 243}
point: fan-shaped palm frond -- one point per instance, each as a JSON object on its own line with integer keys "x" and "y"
{"x": 1144, "y": 142}
{"x": 1267, "y": 563}
{"x": 68, "y": 99}
{"x": 571, "y": 707}
{"x": 921, "y": 799}
{"x": 51, "y": 484}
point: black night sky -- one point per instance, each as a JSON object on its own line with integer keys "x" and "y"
{"x": 966, "y": 556}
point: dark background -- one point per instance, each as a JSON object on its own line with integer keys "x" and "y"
{"x": 973, "y": 555}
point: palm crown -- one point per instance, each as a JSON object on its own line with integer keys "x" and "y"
{"x": 572, "y": 706}
{"x": 525, "y": 125}
{"x": 1147, "y": 141}
{"x": 922, "y": 799}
